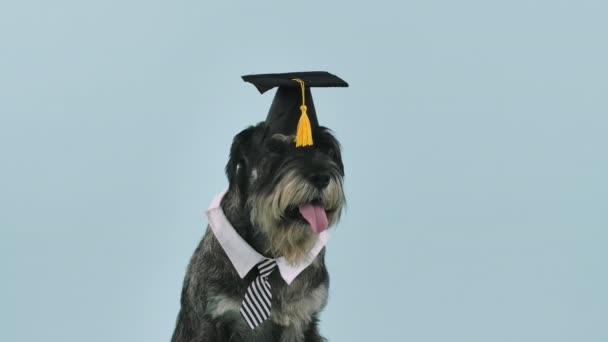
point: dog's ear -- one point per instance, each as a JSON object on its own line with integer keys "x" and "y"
{"x": 240, "y": 158}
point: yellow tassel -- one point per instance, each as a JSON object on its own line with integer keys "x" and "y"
{"x": 304, "y": 131}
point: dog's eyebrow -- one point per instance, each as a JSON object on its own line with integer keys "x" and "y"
{"x": 283, "y": 137}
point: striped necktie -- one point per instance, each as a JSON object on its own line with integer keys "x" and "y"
{"x": 256, "y": 305}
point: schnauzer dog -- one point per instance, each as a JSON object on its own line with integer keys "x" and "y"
{"x": 270, "y": 181}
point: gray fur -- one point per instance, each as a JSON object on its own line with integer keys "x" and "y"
{"x": 267, "y": 177}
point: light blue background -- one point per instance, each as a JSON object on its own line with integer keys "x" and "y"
{"x": 474, "y": 134}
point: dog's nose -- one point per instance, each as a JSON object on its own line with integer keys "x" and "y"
{"x": 320, "y": 180}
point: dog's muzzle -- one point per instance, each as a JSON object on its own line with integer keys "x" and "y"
{"x": 315, "y": 201}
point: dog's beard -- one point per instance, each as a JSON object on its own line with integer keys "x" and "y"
{"x": 291, "y": 237}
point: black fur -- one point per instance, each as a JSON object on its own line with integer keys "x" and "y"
{"x": 211, "y": 277}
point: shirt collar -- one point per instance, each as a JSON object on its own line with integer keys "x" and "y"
{"x": 242, "y": 255}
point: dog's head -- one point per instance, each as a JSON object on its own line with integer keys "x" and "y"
{"x": 288, "y": 194}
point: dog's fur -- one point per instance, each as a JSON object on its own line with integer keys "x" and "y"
{"x": 268, "y": 179}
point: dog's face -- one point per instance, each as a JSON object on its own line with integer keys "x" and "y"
{"x": 289, "y": 194}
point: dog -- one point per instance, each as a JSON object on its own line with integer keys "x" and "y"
{"x": 270, "y": 180}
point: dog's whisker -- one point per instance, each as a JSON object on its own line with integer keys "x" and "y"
{"x": 276, "y": 212}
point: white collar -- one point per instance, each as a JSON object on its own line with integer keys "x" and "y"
{"x": 242, "y": 255}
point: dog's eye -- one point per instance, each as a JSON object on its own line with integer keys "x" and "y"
{"x": 329, "y": 151}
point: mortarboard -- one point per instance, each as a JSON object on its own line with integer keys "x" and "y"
{"x": 292, "y": 108}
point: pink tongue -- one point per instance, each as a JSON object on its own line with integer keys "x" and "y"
{"x": 315, "y": 215}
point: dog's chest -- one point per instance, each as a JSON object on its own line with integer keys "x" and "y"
{"x": 296, "y": 305}
{"x": 292, "y": 305}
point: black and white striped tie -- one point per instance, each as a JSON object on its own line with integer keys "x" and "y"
{"x": 256, "y": 305}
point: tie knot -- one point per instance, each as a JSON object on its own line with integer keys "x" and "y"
{"x": 266, "y": 267}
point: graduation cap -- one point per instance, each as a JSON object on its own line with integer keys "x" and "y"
{"x": 292, "y": 107}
